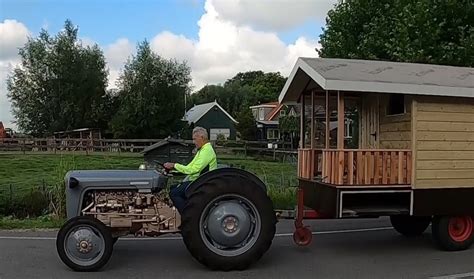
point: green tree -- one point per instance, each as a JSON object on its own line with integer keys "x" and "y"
{"x": 237, "y": 98}
{"x": 207, "y": 94}
{"x": 244, "y": 89}
{"x": 246, "y": 126}
{"x": 422, "y": 31}
{"x": 246, "y": 78}
{"x": 263, "y": 87}
{"x": 151, "y": 96}
{"x": 289, "y": 125}
{"x": 59, "y": 85}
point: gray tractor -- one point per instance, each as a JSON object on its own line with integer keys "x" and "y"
{"x": 228, "y": 222}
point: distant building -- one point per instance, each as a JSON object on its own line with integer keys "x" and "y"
{"x": 6, "y": 132}
{"x": 267, "y": 119}
{"x": 212, "y": 117}
{"x": 169, "y": 150}
{"x": 3, "y": 132}
{"x": 83, "y": 133}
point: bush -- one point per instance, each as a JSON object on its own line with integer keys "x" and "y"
{"x": 31, "y": 204}
{"x": 34, "y": 204}
{"x": 57, "y": 191}
{"x": 283, "y": 197}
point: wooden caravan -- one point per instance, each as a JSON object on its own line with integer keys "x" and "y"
{"x": 386, "y": 139}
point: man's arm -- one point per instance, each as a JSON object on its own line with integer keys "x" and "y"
{"x": 201, "y": 160}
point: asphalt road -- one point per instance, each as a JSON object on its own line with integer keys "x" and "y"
{"x": 340, "y": 249}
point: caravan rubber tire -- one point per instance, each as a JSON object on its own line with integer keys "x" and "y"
{"x": 196, "y": 218}
{"x": 410, "y": 225}
{"x": 448, "y": 237}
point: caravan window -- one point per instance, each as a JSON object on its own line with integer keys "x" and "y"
{"x": 396, "y": 104}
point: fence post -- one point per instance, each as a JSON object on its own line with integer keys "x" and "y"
{"x": 10, "y": 204}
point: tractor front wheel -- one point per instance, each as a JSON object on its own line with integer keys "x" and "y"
{"x": 84, "y": 244}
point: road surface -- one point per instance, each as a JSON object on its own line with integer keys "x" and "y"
{"x": 340, "y": 249}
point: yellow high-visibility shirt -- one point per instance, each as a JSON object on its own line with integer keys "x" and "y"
{"x": 203, "y": 158}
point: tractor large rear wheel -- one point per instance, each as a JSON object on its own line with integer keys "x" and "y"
{"x": 228, "y": 223}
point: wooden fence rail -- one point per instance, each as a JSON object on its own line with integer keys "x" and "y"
{"x": 125, "y": 145}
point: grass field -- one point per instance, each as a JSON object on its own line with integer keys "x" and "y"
{"x": 41, "y": 222}
{"x": 21, "y": 174}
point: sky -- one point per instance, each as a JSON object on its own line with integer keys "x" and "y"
{"x": 217, "y": 38}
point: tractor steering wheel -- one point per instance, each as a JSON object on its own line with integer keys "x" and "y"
{"x": 161, "y": 168}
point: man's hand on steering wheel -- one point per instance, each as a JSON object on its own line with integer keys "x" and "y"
{"x": 163, "y": 167}
{"x": 168, "y": 166}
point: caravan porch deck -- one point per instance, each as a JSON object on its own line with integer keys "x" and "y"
{"x": 356, "y": 167}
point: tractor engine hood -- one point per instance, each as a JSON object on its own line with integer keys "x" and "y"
{"x": 78, "y": 182}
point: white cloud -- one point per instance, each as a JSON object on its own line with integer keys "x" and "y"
{"x": 116, "y": 54}
{"x": 6, "y": 67}
{"x": 272, "y": 14}
{"x": 85, "y": 41}
{"x": 230, "y": 40}
{"x": 169, "y": 45}
{"x": 225, "y": 48}
{"x": 13, "y": 35}
{"x": 301, "y": 47}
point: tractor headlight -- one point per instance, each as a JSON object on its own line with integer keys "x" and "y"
{"x": 73, "y": 182}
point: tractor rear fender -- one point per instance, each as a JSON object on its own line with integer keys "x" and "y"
{"x": 227, "y": 171}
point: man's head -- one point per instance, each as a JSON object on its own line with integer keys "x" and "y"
{"x": 200, "y": 136}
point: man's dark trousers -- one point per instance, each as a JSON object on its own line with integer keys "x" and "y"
{"x": 178, "y": 195}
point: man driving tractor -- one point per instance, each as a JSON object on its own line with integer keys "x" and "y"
{"x": 204, "y": 160}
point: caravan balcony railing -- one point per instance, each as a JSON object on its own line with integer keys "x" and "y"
{"x": 356, "y": 166}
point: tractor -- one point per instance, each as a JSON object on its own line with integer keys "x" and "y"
{"x": 227, "y": 224}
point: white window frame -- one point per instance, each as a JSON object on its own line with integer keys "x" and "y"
{"x": 261, "y": 114}
{"x": 347, "y": 128}
{"x": 255, "y": 113}
{"x": 226, "y": 135}
{"x": 272, "y": 133}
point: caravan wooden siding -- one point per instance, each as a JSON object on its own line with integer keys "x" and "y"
{"x": 390, "y": 131}
{"x": 395, "y": 130}
{"x": 444, "y": 144}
